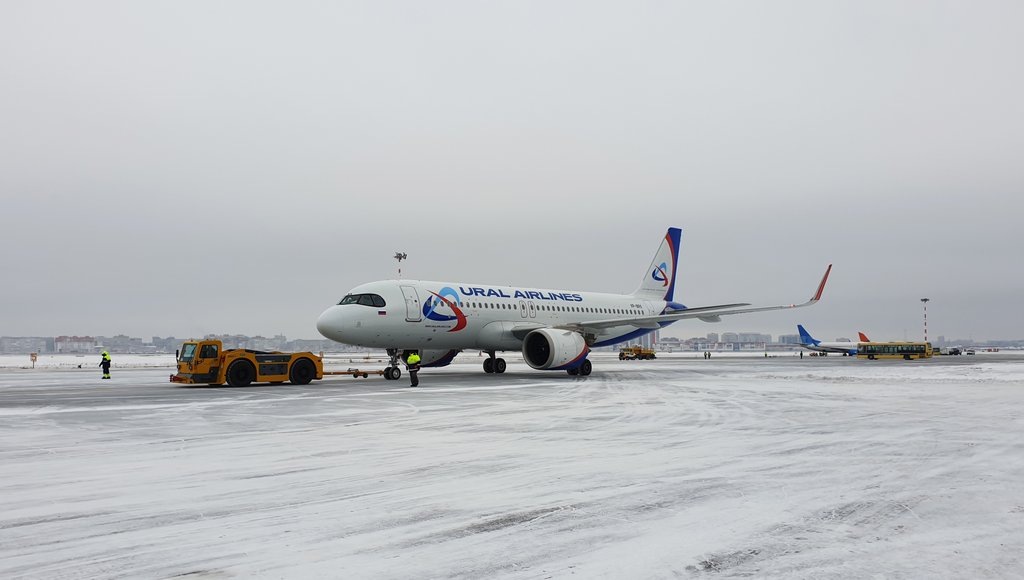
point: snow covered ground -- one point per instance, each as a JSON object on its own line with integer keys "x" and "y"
{"x": 673, "y": 468}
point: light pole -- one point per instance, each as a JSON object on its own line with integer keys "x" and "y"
{"x": 400, "y": 256}
{"x": 925, "y": 302}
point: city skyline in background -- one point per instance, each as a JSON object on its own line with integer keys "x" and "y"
{"x": 72, "y": 344}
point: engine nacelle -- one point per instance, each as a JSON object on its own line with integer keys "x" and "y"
{"x": 550, "y": 349}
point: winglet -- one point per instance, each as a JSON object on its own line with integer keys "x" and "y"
{"x": 863, "y": 337}
{"x": 821, "y": 287}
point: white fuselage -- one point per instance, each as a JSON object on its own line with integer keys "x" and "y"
{"x": 450, "y": 315}
{"x": 838, "y": 347}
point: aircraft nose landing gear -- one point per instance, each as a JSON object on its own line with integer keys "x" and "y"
{"x": 393, "y": 372}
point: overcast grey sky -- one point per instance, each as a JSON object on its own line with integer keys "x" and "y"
{"x": 178, "y": 168}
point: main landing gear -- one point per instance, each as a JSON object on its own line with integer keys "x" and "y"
{"x": 393, "y": 372}
{"x": 493, "y": 365}
{"x": 582, "y": 370}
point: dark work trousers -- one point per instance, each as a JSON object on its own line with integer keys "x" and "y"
{"x": 413, "y": 379}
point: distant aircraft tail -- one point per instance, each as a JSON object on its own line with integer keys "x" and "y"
{"x": 659, "y": 281}
{"x": 805, "y": 337}
{"x": 863, "y": 337}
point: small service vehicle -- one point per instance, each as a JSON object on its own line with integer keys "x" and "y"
{"x": 636, "y": 353}
{"x": 206, "y": 362}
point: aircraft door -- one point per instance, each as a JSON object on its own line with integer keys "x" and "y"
{"x": 412, "y": 304}
{"x": 522, "y": 308}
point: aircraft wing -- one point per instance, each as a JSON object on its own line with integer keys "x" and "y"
{"x": 652, "y": 321}
{"x": 705, "y": 313}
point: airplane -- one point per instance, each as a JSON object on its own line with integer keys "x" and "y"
{"x": 554, "y": 329}
{"x": 846, "y": 348}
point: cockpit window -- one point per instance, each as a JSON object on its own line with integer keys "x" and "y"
{"x": 364, "y": 300}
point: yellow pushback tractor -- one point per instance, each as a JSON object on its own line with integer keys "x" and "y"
{"x": 206, "y": 362}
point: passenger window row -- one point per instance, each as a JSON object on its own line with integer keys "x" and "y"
{"x": 377, "y": 301}
{"x": 551, "y": 308}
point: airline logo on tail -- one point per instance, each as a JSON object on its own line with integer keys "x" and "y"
{"x": 659, "y": 281}
{"x": 660, "y": 273}
{"x": 430, "y": 308}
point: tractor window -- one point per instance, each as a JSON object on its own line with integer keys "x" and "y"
{"x": 188, "y": 352}
{"x": 208, "y": 351}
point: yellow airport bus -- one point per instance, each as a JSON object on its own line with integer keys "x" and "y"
{"x": 903, "y": 350}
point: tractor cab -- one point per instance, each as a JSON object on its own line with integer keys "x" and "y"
{"x": 199, "y": 360}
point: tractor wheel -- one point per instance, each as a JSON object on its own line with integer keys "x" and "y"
{"x": 303, "y": 371}
{"x": 241, "y": 373}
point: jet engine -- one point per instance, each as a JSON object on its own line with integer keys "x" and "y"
{"x": 550, "y": 349}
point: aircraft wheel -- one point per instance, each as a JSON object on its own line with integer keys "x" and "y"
{"x": 573, "y": 372}
{"x": 499, "y": 365}
{"x": 387, "y": 374}
{"x": 241, "y": 373}
{"x": 586, "y": 367}
{"x": 488, "y": 365}
{"x": 396, "y": 373}
{"x": 303, "y": 371}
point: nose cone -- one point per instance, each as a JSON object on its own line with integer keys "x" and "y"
{"x": 330, "y": 324}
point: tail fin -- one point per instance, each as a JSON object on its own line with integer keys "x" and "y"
{"x": 805, "y": 337}
{"x": 863, "y": 337}
{"x": 659, "y": 281}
